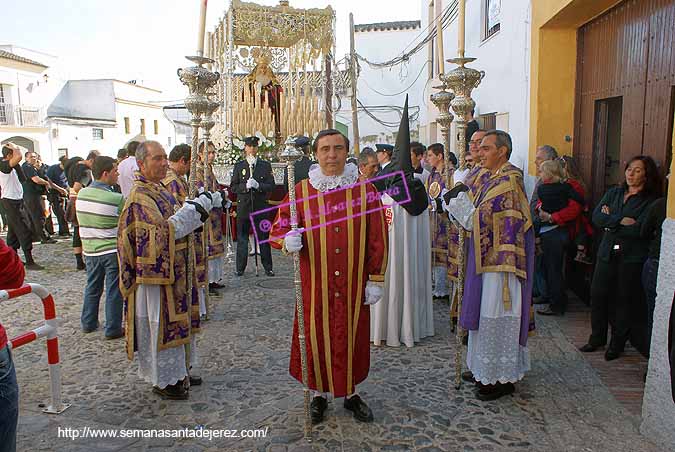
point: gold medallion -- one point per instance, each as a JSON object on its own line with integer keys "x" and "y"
{"x": 434, "y": 189}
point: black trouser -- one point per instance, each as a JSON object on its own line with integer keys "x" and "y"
{"x": 243, "y": 226}
{"x": 58, "y": 203}
{"x": 37, "y": 217}
{"x": 553, "y": 244}
{"x": 617, "y": 298}
{"x": 19, "y": 232}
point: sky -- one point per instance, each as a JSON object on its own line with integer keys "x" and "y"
{"x": 146, "y": 40}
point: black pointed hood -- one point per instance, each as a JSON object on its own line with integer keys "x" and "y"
{"x": 401, "y": 161}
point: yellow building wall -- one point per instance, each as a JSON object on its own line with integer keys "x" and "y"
{"x": 553, "y": 70}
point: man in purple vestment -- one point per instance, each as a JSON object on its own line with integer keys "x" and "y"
{"x": 161, "y": 315}
{"x": 499, "y": 268}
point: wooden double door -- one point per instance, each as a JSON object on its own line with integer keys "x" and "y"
{"x": 625, "y": 96}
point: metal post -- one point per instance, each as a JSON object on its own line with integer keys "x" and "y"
{"x": 353, "y": 77}
{"x": 290, "y": 155}
{"x": 461, "y": 81}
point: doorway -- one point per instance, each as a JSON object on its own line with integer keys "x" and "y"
{"x": 607, "y": 170}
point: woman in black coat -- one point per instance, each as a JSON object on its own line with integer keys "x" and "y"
{"x": 616, "y": 290}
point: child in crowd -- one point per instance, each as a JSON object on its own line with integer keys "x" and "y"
{"x": 554, "y": 195}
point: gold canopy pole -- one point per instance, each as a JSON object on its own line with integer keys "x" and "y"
{"x": 461, "y": 81}
{"x": 290, "y": 155}
{"x": 199, "y": 80}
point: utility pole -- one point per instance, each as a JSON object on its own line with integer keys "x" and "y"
{"x": 353, "y": 80}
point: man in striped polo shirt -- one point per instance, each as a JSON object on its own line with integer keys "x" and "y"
{"x": 98, "y": 209}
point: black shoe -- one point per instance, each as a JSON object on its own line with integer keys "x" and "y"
{"x": 611, "y": 354}
{"x": 357, "y": 406}
{"x": 494, "y": 392}
{"x": 34, "y": 266}
{"x": 195, "y": 380}
{"x": 239, "y": 273}
{"x": 115, "y": 336}
{"x": 317, "y": 408}
{"x": 269, "y": 272}
{"x": 48, "y": 241}
{"x": 588, "y": 348}
{"x": 172, "y": 392}
{"x": 468, "y": 377}
{"x": 546, "y": 310}
{"x": 215, "y": 286}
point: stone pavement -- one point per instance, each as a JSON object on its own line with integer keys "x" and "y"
{"x": 561, "y": 405}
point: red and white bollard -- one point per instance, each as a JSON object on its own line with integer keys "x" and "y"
{"x": 49, "y": 329}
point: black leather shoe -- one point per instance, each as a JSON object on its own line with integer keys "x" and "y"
{"x": 317, "y": 408}
{"x": 269, "y": 272}
{"x": 588, "y": 348}
{"x": 493, "y": 392}
{"x": 214, "y": 285}
{"x": 357, "y": 406}
{"x": 172, "y": 392}
{"x": 468, "y": 377}
{"x": 195, "y": 380}
{"x": 611, "y": 354}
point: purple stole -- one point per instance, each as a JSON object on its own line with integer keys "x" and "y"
{"x": 149, "y": 254}
{"x": 502, "y": 241}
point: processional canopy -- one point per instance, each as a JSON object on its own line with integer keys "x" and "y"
{"x": 276, "y": 64}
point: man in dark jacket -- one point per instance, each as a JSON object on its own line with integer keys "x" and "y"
{"x": 252, "y": 181}
{"x": 303, "y": 164}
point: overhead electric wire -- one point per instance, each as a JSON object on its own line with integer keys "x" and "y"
{"x": 448, "y": 16}
{"x": 402, "y": 92}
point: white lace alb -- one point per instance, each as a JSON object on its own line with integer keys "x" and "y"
{"x": 324, "y": 183}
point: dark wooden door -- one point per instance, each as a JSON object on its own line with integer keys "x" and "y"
{"x": 628, "y": 52}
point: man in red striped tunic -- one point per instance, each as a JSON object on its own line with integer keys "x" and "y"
{"x": 343, "y": 258}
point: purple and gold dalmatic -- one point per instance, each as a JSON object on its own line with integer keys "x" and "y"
{"x": 149, "y": 254}
{"x": 441, "y": 255}
{"x": 502, "y": 240}
{"x": 215, "y": 242}
{"x": 178, "y": 187}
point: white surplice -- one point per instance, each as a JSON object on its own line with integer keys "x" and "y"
{"x": 405, "y": 314}
{"x": 494, "y": 353}
{"x": 158, "y": 367}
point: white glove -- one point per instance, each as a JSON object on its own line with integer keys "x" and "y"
{"x": 293, "y": 242}
{"x": 252, "y": 183}
{"x": 227, "y": 204}
{"x": 203, "y": 201}
{"x": 461, "y": 209}
{"x": 216, "y": 199}
{"x": 459, "y": 176}
{"x": 185, "y": 220}
{"x": 387, "y": 200}
{"x": 418, "y": 176}
{"x": 373, "y": 293}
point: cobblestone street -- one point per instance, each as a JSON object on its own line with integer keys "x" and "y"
{"x": 562, "y": 404}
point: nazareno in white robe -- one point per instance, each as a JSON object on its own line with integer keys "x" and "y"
{"x": 405, "y": 314}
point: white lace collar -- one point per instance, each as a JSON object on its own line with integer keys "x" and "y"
{"x": 324, "y": 183}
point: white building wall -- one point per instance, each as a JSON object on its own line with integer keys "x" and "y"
{"x": 376, "y": 86}
{"x": 132, "y": 102}
{"x": 505, "y": 58}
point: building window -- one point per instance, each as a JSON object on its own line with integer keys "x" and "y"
{"x": 488, "y": 121}
{"x": 3, "y": 106}
{"x": 142, "y": 126}
{"x": 156, "y": 127}
{"x": 97, "y": 134}
{"x": 63, "y": 152}
{"x": 491, "y": 12}
{"x": 169, "y": 141}
{"x": 127, "y": 127}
